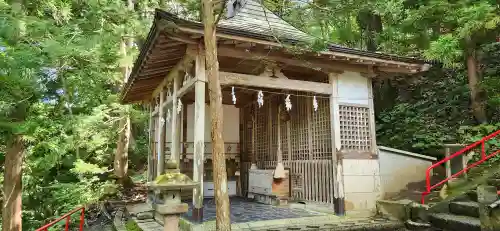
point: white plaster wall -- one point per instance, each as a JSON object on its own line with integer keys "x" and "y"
{"x": 397, "y": 170}
{"x": 361, "y": 184}
{"x": 231, "y": 123}
{"x": 353, "y": 88}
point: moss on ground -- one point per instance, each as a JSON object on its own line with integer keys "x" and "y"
{"x": 132, "y": 226}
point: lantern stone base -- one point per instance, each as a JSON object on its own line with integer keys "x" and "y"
{"x": 175, "y": 209}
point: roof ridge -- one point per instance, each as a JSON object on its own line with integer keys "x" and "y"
{"x": 254, "y": 16}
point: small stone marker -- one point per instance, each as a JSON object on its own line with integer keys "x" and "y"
{"x": 486, "y": 195}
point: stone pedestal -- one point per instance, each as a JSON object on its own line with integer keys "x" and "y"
{"x": 169, "y": 187}
{"x": 486, "y": 196}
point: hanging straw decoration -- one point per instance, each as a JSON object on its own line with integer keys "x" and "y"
{"x": 288, "y": 103}
{"x": 168, "y": 91}
{"x": 179, "y": 106}
{"x": 279, "y": 172}
{"x": 168, "y": 115}
{"x": 260, "y": 98}
{"x": 233, "y": 95}
{"x": 315, "y": 104}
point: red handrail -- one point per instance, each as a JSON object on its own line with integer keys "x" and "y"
{"x": 67, "y": 216}
{"x": 484, "y": 158}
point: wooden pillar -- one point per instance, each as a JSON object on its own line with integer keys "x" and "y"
{"x": 161, "y": 136}
{"x": 270, "y": 134}
{"x": 199, "y": 135}
{"x": 337, "y": 172}
{"x": 175, "y": 118}
{"x": 371, "y": 117}
{"x": 447, "y": 163}
{"x": 151, "y": 153}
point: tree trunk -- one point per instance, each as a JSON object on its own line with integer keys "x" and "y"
{"x": 218, "y": 156}
{"x": 477, "y": 106}
{"x": 121, "y": 156}
{"x": 12, "y": 186}
{"x": 122, "y": 145}
{"x": 371, "y": 25}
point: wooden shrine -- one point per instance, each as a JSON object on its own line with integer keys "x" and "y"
{"x": 315, "y": 107}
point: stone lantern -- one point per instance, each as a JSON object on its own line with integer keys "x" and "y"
{"x": 169, "y": 187}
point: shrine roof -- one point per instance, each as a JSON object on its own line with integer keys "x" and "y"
{"x": 253, "y": 23}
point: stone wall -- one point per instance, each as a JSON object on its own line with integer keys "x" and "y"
{"x": 361, "y": 184}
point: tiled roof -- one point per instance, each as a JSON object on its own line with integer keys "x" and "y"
{"x": 253, "y": 17}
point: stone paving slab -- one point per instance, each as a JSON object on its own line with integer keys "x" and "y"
{"x": 243, "y": 210}
{"x": 323, "y": 223}
{"x": 134, "y": 209}
{"x": 149, "y": 225}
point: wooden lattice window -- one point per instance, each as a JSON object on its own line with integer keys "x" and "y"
{"x": 355, "y": 128}
{"x": 321, "y": 130}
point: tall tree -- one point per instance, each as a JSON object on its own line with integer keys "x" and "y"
{"x": 16, "y": 103}
{"x": 218, "y": 156}
{"x": 122, "y": 145}
{"x": 450, "y": 36}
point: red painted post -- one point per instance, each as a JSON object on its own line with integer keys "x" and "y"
{"x": 82, "y": 218}
{"x": 67, "y": 216}
{"x": 483, "y": 154}
{"x": 484, "y": 157}
{"x": 67, "y": 223}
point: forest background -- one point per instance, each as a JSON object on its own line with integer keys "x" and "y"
{"x": 62, "y": 64}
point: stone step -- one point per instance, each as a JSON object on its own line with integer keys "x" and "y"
{"x": 413, "y": 225}
{"x": 494, "y": 182}
{"x": 472, "y": 195}
{"x": 454, "y": 222}
{"x": 466, "y": 208}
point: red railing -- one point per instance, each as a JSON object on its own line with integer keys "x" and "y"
{"x": 68, "y": 217}
{"x": 484, "y": 157}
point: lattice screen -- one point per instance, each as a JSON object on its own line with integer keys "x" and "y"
{"x": 309, "y": 131}
{"x": 299, "y": 135}
{"x": 284, "y": 140}
{"x": 262, "y": 132}
{"x": 321, "y": 134}
{"x": 273, "y": 127}
{"x": 354, "y": 128}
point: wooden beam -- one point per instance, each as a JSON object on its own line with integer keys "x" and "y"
{"x": 190, "y": 84}
{"x": 325, "y": 66}
{"x": 330, "y": 54}
{"x": 227, "y": 78}
{"x": 182, "y": 64}
{"x": 155, "y": 71}
{"x": 183, "y": 39}
{"x": 199, "y": 129}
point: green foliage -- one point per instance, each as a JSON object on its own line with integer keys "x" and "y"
{"x": 425, "y": 113}
{"x": 433, "y": 109}
{"x": 132, "y": 226}
{"x": 59, "y": 75}
{"x": 472, "y": 134}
